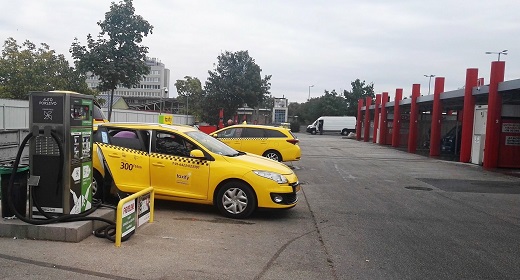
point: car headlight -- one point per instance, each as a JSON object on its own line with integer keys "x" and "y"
{"x": 278, "y": 178}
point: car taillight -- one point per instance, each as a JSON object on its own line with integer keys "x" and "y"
{"x": 293, "y": 141}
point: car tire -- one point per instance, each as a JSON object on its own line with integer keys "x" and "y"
{"x": 97, "y": 186}
{"x": 344, "y": 132}
{"x": 272, "y": 154}
{"x": 236, "y": 200}
{"x": 313, "y": 132}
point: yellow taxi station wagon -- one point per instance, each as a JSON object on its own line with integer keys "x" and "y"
{"x": 276, "y": 143}
{"x": 185, "y": 164}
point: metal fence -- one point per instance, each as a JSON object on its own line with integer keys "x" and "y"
{"x": 14, "y": 125}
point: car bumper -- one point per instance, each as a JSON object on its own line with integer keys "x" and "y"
{"x": 273, "y": 195}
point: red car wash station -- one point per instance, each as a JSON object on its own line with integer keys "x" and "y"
{"x": 479, "y": 123}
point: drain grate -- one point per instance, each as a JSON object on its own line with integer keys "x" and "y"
{"x": 474, "y": 186}
{"x": 418, "y": 188}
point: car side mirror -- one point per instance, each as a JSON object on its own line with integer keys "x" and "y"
{"x": 197, "y": 154}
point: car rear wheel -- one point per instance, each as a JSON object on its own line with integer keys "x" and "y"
{"x": 236, "y": 200}
{"x": 274, "y": 155}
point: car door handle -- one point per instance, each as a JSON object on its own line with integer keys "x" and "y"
{"x": 158, "y": 164}
{"x": 114, "y": 155}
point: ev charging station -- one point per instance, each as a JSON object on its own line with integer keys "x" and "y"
{"x": 60, "y": 163}
{"x": 60, "y": 158}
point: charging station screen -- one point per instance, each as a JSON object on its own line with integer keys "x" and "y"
{"x": 80, "y": 112}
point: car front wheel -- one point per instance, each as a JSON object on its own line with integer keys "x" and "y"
{"x": 97, "y": 186}
{"x": 236, "y": 200}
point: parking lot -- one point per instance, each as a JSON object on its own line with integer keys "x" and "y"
{"x": 364, "y": 212}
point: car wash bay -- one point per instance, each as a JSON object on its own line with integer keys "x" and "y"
{"x": 479, "y": 123}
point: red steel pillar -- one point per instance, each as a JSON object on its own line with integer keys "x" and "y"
{"x": 358, "y": 119}
{"x": 376, "y": 117}
{"x": 383, "y": 131}
{"x": 414, "y": 115}
{"x": 435, "y": 134}
{"x": 468, "y": 115}
{"x": 366, "y": 135}
{"x": 396, "y": 126}
{"x": 494, "y": 119}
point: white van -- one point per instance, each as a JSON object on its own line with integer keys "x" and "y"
{"x": 341, "y": 124}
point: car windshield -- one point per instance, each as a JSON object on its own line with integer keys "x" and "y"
{"x": 212, "y": 144}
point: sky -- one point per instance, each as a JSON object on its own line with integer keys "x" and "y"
{"x": 325, "y": 44}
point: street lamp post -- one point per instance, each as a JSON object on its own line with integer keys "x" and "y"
{"x": 186, "y": 109}
{"x": 161, "y": 100}
{"x": 309, "y": 98}
{"x": 504, "y": 52}
{"x": 430, "y": 82}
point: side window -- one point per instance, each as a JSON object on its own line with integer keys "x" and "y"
{"x": 230, "y": 133}
{"x": 172, "y": 144}
{"x": 253, "y": 133}
{"x": 274, "y": 134}
{"x": 126, "y": 138}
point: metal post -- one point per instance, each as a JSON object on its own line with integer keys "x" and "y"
{"x": 186, "y": 109}
{"x": 396, "y": 125}
{"x": 309, "y": 98}
{"x": 429, "y": 82}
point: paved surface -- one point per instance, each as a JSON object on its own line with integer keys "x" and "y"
{"x": 365, "y": 212}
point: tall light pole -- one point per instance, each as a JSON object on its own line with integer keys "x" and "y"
{"x": 504, "y": 52}
{"x": 186, "y": 108}
{"x": 165, "y": 89}
{"x": 430, "y": 82}
{"x": 309, "y": 93}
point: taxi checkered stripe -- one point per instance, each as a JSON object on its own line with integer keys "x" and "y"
{"x": 123, "y": 149}
{"x": 180, "y": 159}
{"x": 245, "y": 138}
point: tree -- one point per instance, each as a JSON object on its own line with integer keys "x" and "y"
{"x": 190, "y": 92}
{"x": 236, "y": 81}
{"x": 329, "y": 104}
{"x": 332, "y": 104}
{"x": 116, "y": 56}
{"x": 28, "y": 68}
{"x": 359, "y": 90}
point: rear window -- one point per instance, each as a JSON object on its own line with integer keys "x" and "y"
{"x": 290, "y": 132}
{"x": 274, "y": 134}
{"x": 253, "y": 132}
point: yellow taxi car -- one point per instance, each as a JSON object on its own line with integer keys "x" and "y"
{"x": 185, "y": 164}
{"x": 276, "y": 143}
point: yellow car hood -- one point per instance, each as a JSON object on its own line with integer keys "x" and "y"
{"x": 256, "y": 162}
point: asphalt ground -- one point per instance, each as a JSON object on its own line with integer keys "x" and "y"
{"x": 365, "y": 212}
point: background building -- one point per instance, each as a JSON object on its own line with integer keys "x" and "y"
{"x": 280, "y": 110}
{"x": 149, "y": 94}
